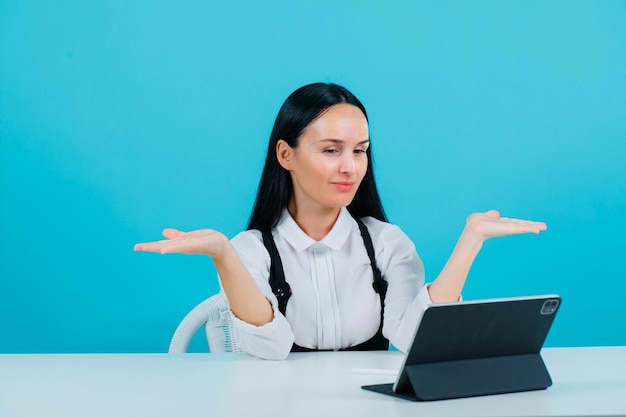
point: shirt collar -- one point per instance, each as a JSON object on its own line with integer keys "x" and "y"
{"x": 292, "y": 233}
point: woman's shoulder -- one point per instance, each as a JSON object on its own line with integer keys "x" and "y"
{"x": 375, "y": 226}
{"x": 384, "y": 233}
{"x": 247, "y": 240}
{"x": 249, "y": 246}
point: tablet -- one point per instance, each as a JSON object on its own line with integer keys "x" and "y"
{"x": 472, "y": 348}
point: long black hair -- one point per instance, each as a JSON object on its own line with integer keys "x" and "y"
{"x": 302, "y": 107}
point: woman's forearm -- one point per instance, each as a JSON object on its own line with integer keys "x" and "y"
{"x": 449, "y": 284}
{"x": 478, "y": 228}
{"x": 246, "y": 300}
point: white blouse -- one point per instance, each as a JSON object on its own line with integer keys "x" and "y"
{"x": 333, "y": 304}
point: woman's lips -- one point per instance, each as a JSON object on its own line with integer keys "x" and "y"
{"x": 344, "y": 185}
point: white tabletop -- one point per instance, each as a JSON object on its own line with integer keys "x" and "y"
{"x": 587, "y": 381}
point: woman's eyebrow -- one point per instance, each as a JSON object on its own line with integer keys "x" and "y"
{"x": 340, "y": 141}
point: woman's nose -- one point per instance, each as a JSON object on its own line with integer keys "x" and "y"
{"x": 348, "y": 164}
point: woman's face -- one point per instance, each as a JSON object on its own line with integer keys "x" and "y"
{"x": 330, "y": 160}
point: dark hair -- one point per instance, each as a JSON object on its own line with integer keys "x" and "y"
{"x": 302, "y": 107}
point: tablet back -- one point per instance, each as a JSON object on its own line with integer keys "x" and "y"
{"x": 478, "y": 348}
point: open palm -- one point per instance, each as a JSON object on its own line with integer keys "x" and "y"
{"x": 489, "y": 225}
{"x": 204, "y": 241}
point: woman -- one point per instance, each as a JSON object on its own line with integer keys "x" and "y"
{"x": 318, "y": 221}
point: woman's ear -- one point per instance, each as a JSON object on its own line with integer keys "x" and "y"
{"x": 284, "y": 154}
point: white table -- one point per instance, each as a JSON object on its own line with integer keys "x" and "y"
{"x": 587, "y": 381}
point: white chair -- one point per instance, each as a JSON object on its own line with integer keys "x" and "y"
{"x": 214, "y": 314}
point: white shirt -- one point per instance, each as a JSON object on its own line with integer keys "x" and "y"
{"x": 333, "y": 304}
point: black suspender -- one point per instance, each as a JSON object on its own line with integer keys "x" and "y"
{"x": 282, "y": 290}
{"x": 280, "y": 287}
{"x": 379, "y": 284}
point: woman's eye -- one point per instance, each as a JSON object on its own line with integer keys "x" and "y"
{"x": 360, "y": 151}
{"x": 331, "y": 151}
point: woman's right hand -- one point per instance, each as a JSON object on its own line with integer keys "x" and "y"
{"x": 246, "y": 300}
{"x": 204, "y": 242}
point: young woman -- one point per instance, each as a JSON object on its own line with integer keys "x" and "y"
{"x": 319, "y": 267}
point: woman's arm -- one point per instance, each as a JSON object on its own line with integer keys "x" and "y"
{"x": 478, "y": 228}
{"x": 246, "y": 300}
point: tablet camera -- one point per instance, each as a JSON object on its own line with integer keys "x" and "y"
{"x": 549, "y": 306}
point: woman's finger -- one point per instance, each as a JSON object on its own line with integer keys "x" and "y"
{"x": 494, "y": 214}
{"x": 186, "y": 246}
{"x": 151, "y": 246}
{"x": 172, "y": 233}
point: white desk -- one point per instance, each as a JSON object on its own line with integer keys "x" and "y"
{"x": 587, "y": 381}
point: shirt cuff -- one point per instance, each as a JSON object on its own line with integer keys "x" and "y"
{"x": 251, "y": 328}
{"x": 272, "y": 340}
{"x": 427, "y": 286}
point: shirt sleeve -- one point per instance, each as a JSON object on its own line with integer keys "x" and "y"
{"x": 274, "y": 339}
{"x": 407, "y": 295}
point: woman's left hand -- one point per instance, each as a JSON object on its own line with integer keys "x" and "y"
{"x": 478, "y": 228}
{"x": 489, "y": 224}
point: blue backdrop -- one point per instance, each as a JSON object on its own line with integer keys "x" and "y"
{"x": 119, "y": 118}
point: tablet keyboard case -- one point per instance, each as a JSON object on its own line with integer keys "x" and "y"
{"x": 491, "y": 348}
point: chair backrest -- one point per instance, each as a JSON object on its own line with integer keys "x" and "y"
{"x": 214, "y": 314}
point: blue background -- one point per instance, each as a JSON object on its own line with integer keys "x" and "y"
{"x": 120, "y": 118}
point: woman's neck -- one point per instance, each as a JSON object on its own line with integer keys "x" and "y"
{"x": 316, "y": 223}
